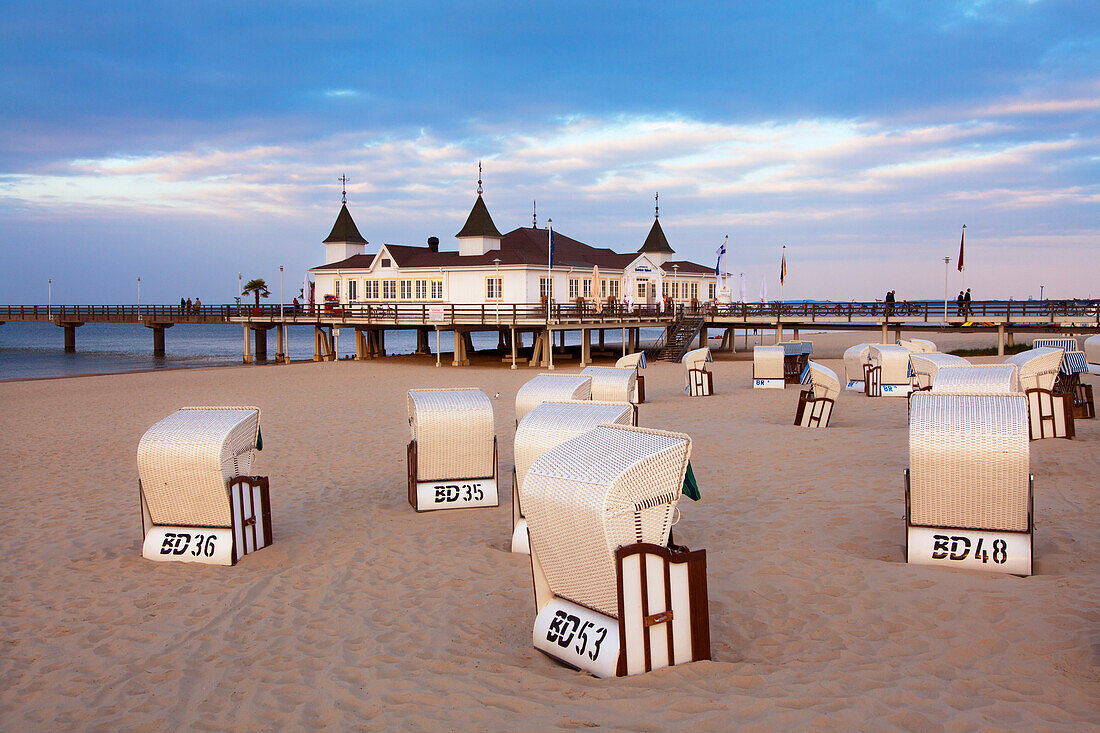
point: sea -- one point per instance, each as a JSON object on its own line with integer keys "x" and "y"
{"x": 36, "y": 350}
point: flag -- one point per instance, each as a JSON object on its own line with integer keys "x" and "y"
{"x": 721, "y": 258}
{"x": 691, "y": 486}
{"x": 764, "y": 291}
{"x": 783, "y": 266}
{"x": 962, "y": 242}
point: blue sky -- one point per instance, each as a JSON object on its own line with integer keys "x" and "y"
{"x": 187, "y": 142}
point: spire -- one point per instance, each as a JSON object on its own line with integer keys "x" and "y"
{"x": 656, "y": 242}
{"x": 534, "y": 214}
{"x": 479, "y": 178}
{"x": 657, "y": 205}
{"x": 344, "y": 230}
{"x": 343, "y": 188}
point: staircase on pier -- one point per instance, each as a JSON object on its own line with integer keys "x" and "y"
{"x": 677, "y": 341}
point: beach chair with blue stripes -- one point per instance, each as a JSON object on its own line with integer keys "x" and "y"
{"x": 1068, "y": 381}
{"x": 815, "y": 405}
{"x": 699, "y": 380}
{"x": 198, "y": 501}
{"x": 635, "y": 361}
{"x": 613, "y": 595}
{"x": 1050, "y": 412}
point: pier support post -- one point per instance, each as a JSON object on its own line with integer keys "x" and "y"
{"x": 601, "y": 338}
{"x": 702, "y": 337}
{"x": 381, "y": 342}
{"x": 468, "y": 346}
{"x": 586, "y": 347}
{"x": 360, "y": 345}
{"x": 422, "y": 342}
{"x": 1010, "y": 338}
{"x": 318, "y": 334}
{"x": 459, "y": 358}
{"x": 885, "y": 333}
{"x": 513, "y": 340}
{"x": 158, "y": 336}
{"x": 778, "y": 331}
{"x": 1001, "y": 339}
{"x": 280, "y": 344}
{"x": 795, "y": 337}
{"x": 247, "y": 345}
{"x": 333, "y": 343}
{"x": 501, "y": 345}
{"x": 261, "y": 344}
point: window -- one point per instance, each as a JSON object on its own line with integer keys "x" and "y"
{"x": 665, "y": 288}
{"x": 406, "y": 289}
{"x": 613, "y": 288}
{"x": 389, "y": 289}
{"x": 546, "y": 288}
{"x": 437, "y": 289}
{"x": 421, "y": 289}
{"x": 386, "y": 262}
{"x": 370, "y": 289}
{"x": 641, "y": 290}
{"x": 695, "y": 291}
{"x": 603, "y": 288}
{"x": 336, "y": 292}
{"x": 494, "y": 288}
{"x": 574, "y": 288}
{"x": 586, "y": 287}
{"x": 353, "y": 290}
{"x": 675, "y": 290}
{"x": 711, "y": 290}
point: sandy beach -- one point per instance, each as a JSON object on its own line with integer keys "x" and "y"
{"x": 365, "y": 614}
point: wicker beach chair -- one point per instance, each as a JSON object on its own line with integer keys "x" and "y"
{"x": 635, "y": 361}
{"x": 551, "y": 388}
{"x": 1065, "y": 344}
{"x": 815, "y": 405}
{"x": 612, "y": 384}
{"x": 198, "y": 503}
{"x": 796, "y": 355}
{"x": 768, "y": 367}
{"x": 925, "y": 365}
{"x": 973, "y": 379}
{"x": 918, "y": 346}
{"x": 612, "y": 596}
{"x": 1050, "y": 412}
{"x": 1068, "y": 380}
{"x": 452, "y": 457}
{"x": 888, "y": 373}
{"x": 547, "y": 426}
{"x": 699, "y": 380}
{"x": 968, "y": 493}
{"x": 855, "y": 359}
{"x": 1092, "y": 353}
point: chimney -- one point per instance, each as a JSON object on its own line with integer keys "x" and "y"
{"x": 433, "y": 244}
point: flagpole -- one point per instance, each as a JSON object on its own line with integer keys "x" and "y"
{"x": 782, "y": 273}
{"x": 549, "y": 291}
{"x": 962, "y": 262}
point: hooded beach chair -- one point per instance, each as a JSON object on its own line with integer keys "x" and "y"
{"x": 612, "y": 596}
{"x": 796, "y": 355}
{"x": 815, "y": 405}
{"x": 551, "y": 388}
{"x": 856, "y": 358}
{"x": 452, "y": 457}
{"x": 1074, "y": 364}
{"x": 968, "y": 490}
{"x": 635, "y": 361}
{"x": 925, "y": 365}
{"x": 700, "y": 382}
{"x": 888, "y": 374}
{"x": 1092, "y": 353}
{"x": 198, "y": 503}
{"x": 612, "y": 384}
{"x": 768, "y": 367}
{"x": 1050, "y": 412}
{"x": 547, "y": 426}
{"x": 918, "y": 346}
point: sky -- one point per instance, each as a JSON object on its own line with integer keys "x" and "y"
{"x": 187, "y": 143}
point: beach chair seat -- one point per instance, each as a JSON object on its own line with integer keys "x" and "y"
{"x": 547, "y": 426}
{"x": 888, "y": 373}
{"x": 1092, "y": 353}
{"x": 612, "y": 596}
{"x": 856, "y": 358}
{"x": 768, "y": 369}
{"x": 452, "y": 456}
{"x": 635, "y": 361}
{"x": 796, "y": 354}
{"x": 1069, "y": 382}
{"x": 699, "y": 380}
{"x": 815, "y": 405}
{"x": 551, "y": 388}
{"x": 1050, "y": 412}
{"x": 968, "y": 490}
{"x": 925, "y": 365}
{"x": 612, "y": 384}
{"x": 918, "y": 346}
{"x": 198, "y": 501}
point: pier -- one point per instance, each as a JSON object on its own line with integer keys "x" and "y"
{"x": 369, "y": 323}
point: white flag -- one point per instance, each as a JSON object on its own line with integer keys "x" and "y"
{"x": 741, "y": 298}
{"x": 764, "y": 290}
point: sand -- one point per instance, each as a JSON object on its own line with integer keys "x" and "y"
{"x": 365, "y": 614}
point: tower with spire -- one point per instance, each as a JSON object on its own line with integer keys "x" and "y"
{"x": 344, "y": 240}
{"x": 656, "y": 245}
{"x": 479, "y": 235}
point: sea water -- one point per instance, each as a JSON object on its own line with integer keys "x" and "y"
{"x": 36, "y": 350}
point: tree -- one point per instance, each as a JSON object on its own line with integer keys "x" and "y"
{"x": 257, "y": 287}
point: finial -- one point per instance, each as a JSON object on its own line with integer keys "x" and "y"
{"x": 657, "y": 205}
{"x": 534, "y": 214}
{"x": 344, "y": 188}
{"x": 479, "y": 178}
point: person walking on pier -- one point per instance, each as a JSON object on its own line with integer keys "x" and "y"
{"x": 889, "y": 302}
{"x": 188, "y": 306}
{"x": 966, "y": 302}
{"x": 960, "y": 306}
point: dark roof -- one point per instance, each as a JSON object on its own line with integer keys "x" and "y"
{"x": 656, "y": 241}
{"x": 686, "y": 268}
{"x": 344, "y": 229}
{"x": 524, "y": 246}
{"x": 479, "y": 223}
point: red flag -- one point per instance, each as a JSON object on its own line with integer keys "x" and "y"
{"x": 962, "y": 243}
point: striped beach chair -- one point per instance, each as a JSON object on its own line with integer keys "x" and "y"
{"x": 452, "y": 457}
{"x": 1068, "y": 381}
{"x": 815, "y": 405}
{"x": 1050, "y": 412}
{"x": 551, "y": 388}
{"x": 699, "y": 380}
{"x": 547, "y": 426}
{"x": 856, "y": 359}
{"x": 968, "y": 490}
{"x": 612, "y": 384}
{"x": 612, "y": 596}
{"x": 888, "y": 373}
{"x": 198, "y": 501}
{"x": 635, "y": 361}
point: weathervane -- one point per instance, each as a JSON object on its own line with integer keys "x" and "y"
{"x": 479, "y": 178}
{"x": 534, "y": 214}
{"x": 344, "y": 188}
{"x": 657, "y": 205}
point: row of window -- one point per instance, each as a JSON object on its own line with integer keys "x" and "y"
{"x": 582, "y": 288}
{"x": 388, "y": 289}
{"x": 432, "y": 289}
{"x": 677, "y": 290}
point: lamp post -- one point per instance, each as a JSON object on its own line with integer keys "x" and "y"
{"x": 49, "y": 296}
{"x": 139, "y": 291}
{"x": 675, "y": 284}
{"x": 499, "y": 286}
{"x": 280, "y": 292}
{"x": 946, "y": 261}
{"x": 240, "y": 292}
{"x": 1041, "y": 292}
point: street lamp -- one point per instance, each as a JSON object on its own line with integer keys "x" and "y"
{"x": 280, "y": 292}
{"x": 946, "y": 260}
{"x": 675, "y": 283}
{"x": 1041, "y": 291}
{"x": 240, "y": 292}
{"x": 49, "y": 296}
{"x": 139, "y": 291}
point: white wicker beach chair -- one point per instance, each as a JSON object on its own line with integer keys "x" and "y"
{"x": 547, "y": 426}
{"x": 612, "y": 384}
{"x": 612, "y": 597}
{"x": 815, "y": 405}
{"x": 1068, "y": 379}
{"x": 855, "y": 359}
{"x": 918, "y": 346}
{"x": 551, "y": 388}
{"x": 452, "y": 457}
{"x": 888, "y": 375}
{"x": 925, "y": 365}
{"x": 975, "y": 379}
{"x": 968, "y": 493}
{"x": 1050, "y": 412}
{"x": 767, "y": 367}
{"x": 198, "y": 503}
{"x": 635, "y": 361}
{"x": 1092, "y": 353}
{"x": 699, "y": 380}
